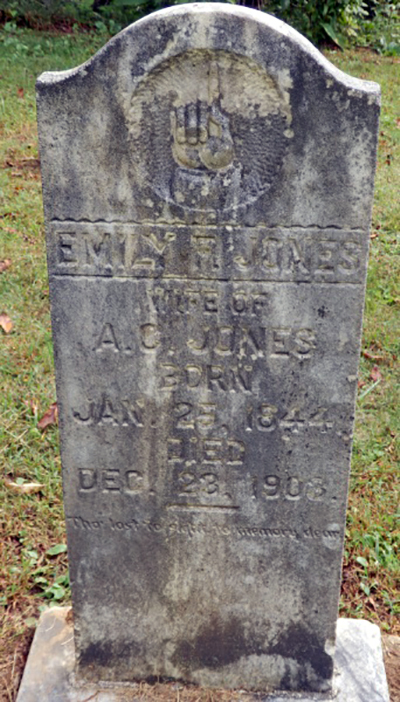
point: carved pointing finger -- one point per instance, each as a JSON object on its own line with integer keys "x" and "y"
{"x": 179, "y": 123}
{"x": 203, "y": 122}
{"x": 191, "y": 124}
{"x": 201, "y": 134}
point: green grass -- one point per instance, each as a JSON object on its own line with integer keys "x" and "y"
{"x": 371, "y": 572}
{"x": 32, "y": 524}
{"x": 30, "y": 577}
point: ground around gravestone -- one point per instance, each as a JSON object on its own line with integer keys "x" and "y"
{"x": 391, "y": 653}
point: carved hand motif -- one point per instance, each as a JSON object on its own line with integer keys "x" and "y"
{"x": 209, "y": 131}
{"x": 201, "y": 136}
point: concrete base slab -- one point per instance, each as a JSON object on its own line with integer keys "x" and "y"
{"x": 49, "y": 672}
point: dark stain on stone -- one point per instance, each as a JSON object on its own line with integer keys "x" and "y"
{"x": 217, "y": 644}
{"x": 322, "y": 311}
{"x": 298, "y": 643}
{"x": 98, "y": 653}
{"x": 220, "y": 643}
{"x": 107, "y": 654}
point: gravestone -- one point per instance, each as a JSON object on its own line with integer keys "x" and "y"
{"x": 207, "y": 184}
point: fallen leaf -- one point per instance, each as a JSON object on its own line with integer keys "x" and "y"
{"x": 6, "y": 323}
{"x": 21, "y": 92}
{"x": 372, "y": 357}
{"x": 375, "y": 374}
{"x": 5, "y": 264}
{"x": 32, "y": 405}
{"x": 23, "y": 488}
{"x": 49, "y": 417}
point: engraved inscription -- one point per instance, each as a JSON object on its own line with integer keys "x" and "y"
{"x": 253, "y": 340}
{"x": 206, "y": 450}
{"x": 263, "y": 416}
{"x": 110, "y": 480}
{"x": 189, "y": 483}
{"x": 267, "y": 417}
{"x": 226, "y": 341}
{"x": 110, "y": 411}
{"x": 292, "y": 487}
{"x": 114, "y": 411}
{"x": 180, "y": 301}
{"x": 238, "y": 253}
{"x": 328, "y": 533}
{"x": 210, "y": 376}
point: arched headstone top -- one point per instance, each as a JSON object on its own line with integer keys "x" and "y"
{"x": 202, "y": 26}
{"x": 165, "y": 123}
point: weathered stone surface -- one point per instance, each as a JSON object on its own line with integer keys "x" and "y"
{"x": 359, "y": 674}
{"x": 207, "y": 182}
